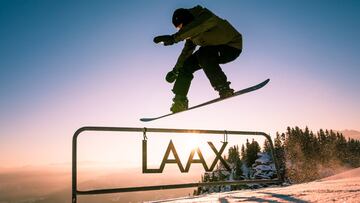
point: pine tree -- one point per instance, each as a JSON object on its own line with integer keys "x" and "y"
{"x": 279, "y": 152}
{"x": 235, "y": 161}
{"x": 242, "y": 152}
{"x": 266, "y": 147}
{"x": 251, "y": 152}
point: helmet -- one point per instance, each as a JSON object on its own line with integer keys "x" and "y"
{"x": 183, "y": 16}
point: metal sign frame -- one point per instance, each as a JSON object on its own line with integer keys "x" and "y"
{"x": 76, "y": 192}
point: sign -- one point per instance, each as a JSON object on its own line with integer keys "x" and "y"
{"x": 171, "y": 149}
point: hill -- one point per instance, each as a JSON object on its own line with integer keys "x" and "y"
{"x": 343, "y": 187}
{"x": 351, "y": 134}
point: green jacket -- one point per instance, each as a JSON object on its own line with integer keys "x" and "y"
{"x": 206, "y": 29}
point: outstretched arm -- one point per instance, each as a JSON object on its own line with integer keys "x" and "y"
{"x": 165, "y": 39}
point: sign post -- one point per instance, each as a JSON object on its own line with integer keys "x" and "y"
{"x": 170, "y": 149}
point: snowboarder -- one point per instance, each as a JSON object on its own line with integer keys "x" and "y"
{"x": 219, "y": 43}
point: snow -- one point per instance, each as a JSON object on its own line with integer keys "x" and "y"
{"x": 263, "y": 158}
{"x": 344, "y": 187}
{"x": 263, "y": 167}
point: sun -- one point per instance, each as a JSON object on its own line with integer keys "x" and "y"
{"x": 190, "y": 142}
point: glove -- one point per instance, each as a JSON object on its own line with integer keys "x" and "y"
{"x": 166, "y": 39}
{"x": 171, "y": 76}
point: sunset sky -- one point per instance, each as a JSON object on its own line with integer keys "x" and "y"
{"x": 68, "y": 64}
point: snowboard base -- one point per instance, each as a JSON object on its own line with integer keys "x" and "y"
{"x": 237, "y": 93}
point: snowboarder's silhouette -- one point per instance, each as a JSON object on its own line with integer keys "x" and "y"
{"x": 219, "y": 43}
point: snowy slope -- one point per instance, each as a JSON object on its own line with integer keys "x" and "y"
{"x": 344, "y": 187}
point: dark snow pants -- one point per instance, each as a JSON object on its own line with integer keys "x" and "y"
{"x": 207, "y": 58}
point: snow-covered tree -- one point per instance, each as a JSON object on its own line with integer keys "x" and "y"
{"x": 263, "y": 168}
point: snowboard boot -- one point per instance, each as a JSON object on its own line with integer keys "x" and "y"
{"x": 180, "y": 104}
{"x": 225, "y": 90}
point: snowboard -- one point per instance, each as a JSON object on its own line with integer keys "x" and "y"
{"x": 237, "y": 93}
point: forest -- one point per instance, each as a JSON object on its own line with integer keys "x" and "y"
{"x": 301, "y": 155}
